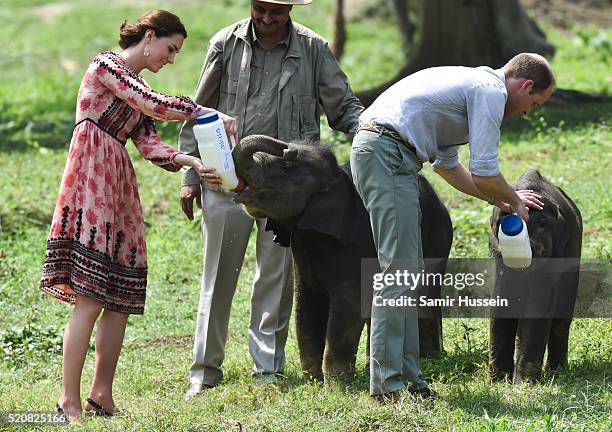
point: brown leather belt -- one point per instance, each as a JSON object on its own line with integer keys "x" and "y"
{"x": 387, "y": 131}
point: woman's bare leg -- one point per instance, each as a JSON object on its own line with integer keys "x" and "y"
{"x": 109, "y": 339}
{"x": 76, "y": 341}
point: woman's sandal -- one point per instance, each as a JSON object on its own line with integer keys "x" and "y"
{"x": 60, "y": 411}
{"x": 98, "y": 409}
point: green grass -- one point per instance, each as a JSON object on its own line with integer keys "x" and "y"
{"x": 40, "y": 76}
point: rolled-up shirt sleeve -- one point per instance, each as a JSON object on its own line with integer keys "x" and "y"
{"x": 447, "y": 158}
{"x": 485, "y": 110}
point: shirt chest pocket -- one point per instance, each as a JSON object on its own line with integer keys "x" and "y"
{"x": 305, "y": 116}
{"x": 227, "y": 95}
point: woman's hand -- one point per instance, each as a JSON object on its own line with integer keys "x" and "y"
{"x": 206, "y": 173}
{"x": 209, "y": 174}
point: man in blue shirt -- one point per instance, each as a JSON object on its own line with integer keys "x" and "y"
{"x": 425, "y": 117}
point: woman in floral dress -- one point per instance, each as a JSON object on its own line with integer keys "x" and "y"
{"x": 96, "y": 251}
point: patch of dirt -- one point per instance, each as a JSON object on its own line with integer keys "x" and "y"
{"x": 565, "y": 14}
{"x": 50, "y": 12}
{"x": 186, "y": 340}
{"x": 354, "y": 9}
{"x": 70, "y": 66}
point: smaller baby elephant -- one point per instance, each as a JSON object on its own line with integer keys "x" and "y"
{"x": 547, "y": 289}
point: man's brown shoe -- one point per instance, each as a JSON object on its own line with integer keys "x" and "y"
{"x": 386, "y": 398}
{"x": 424, "y": 393}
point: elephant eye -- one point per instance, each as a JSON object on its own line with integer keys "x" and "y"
{"x": 541, "y": 222}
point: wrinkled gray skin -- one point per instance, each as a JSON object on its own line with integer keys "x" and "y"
{"x": 554, "y": 232}
{"x": 279, "y": 186}
{"x": 305, "y": 195}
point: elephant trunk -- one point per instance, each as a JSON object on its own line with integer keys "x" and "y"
{"x": 248, "y": 146}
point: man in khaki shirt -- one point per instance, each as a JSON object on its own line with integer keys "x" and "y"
{"x": 275, "y": 76}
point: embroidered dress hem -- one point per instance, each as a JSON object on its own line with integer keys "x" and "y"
{"x": 92, "y": 274}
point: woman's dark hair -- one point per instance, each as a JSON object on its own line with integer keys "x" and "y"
{"x": 162, "y": 22}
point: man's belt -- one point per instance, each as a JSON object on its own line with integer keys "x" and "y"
{"x": 385, "y": 130}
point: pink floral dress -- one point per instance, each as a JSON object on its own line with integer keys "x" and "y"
{"x": 96, "y": 247}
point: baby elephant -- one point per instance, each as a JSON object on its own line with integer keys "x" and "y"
{"x": 546, "y": 291}
{"x": 311, "y": 204}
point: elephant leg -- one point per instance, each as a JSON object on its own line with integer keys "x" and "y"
{"x": 533, "y": 334}
{"x": 344, "y": 329}
{"x": 430, "y": 335}
{"x": 565, "y": 299}
{"x": 558, "y": 343}
{"x": 311, "y": 326}
{"x": 368, "y": 342}
{"x": 502, "y": 336}
{"x": 430, "y": 318}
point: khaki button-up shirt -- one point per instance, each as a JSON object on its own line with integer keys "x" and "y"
{"x": 266, "y": 66}
{"x": 311, "y": 81}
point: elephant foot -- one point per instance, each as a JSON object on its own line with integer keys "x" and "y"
{"x": 314, "y": 374}
{"x": 431, "y": 354}
{"x": 554, "y": 365}
{"x": 530, "y": 372}
{"x": 312, "y": 366}
{"x": 501, "y": 377}
{"x": 338, "y": 377}
{"x": 499, "y": 374}
{"x": 556, "y": 368}
{"x": 500, "y": 370}
{"x": 339, "y": 374}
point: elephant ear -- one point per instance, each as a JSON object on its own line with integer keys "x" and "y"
{"x": 496, "y": 217}
{"x": 337, "y": 211}
{"x": 560, "y": 233}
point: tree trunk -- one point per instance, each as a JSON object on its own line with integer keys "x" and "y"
{"x": 339, "y": 29}
{"x": 406, "y": 27}
{"x": 469, "y": 33}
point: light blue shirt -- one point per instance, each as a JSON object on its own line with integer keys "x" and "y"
{"x": 440, "y": 108}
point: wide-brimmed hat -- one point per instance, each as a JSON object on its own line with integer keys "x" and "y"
{"x": 288, "y": 2}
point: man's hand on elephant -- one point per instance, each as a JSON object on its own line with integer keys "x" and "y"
{"x": 531, "y": 199}
{"x": 528, "y": 198}
{"x": 521, "y": 210}
{"x": 188, "y": 193}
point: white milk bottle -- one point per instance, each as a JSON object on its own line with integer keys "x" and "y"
{"x": 214, "y": 148}
{"x": 514, "y": 242}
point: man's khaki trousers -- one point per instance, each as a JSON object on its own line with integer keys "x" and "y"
{"x": 385, "y": 176}
{"x": 226, "y": 229}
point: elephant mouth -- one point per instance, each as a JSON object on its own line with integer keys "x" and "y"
{"x": 244, "y": 190}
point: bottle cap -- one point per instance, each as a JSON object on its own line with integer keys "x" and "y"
{"x": 207, "y": 118}
{"x": 511, "y": 225}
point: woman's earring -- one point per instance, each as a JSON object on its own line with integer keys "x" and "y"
{"x": 147, "y": 52}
